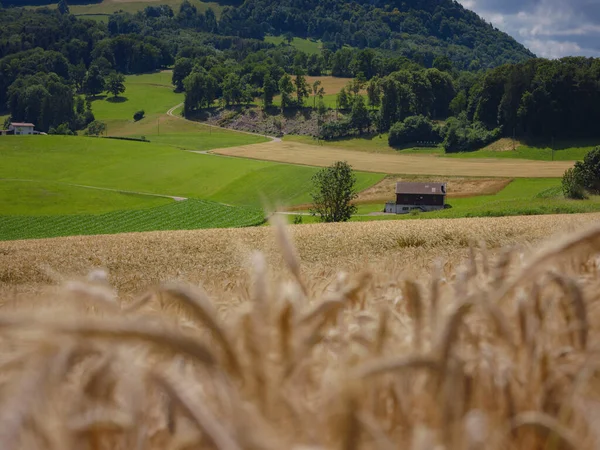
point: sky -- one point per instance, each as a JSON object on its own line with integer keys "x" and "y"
{"x": 549, "y": 28}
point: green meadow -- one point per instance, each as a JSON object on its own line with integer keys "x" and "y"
{"x": 19, "y": 197}
{"x": 54, "y": 163}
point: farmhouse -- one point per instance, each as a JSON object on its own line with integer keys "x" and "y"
{"x": 422, "y": 196}
{"x": 19, "y": 128}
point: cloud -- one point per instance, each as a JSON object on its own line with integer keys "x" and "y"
{"x": 549, "y": 28}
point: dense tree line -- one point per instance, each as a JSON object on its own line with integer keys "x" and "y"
{"x": 547, "y": 98}
{"x": 420, "y": 30}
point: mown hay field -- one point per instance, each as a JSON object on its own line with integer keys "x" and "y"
{"x": 305, "y": 344}
{"x": 313, "y": 155}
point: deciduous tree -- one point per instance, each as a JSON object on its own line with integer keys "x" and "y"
{"x": 333, "y": 193}
{"x": 115, "y": 84}
{"x": 286, "y": 87}
{"x": 94, "y": 82}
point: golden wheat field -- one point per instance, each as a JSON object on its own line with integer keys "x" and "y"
{"x": 409, "y": 164}
{"x": 446, "y": 334}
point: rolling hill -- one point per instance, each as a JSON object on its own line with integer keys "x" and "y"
{"x": 419, "y": 30}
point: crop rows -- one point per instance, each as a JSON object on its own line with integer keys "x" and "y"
{"x": 184, "y": 215}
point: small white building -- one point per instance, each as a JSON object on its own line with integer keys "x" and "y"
{"x": 21, "y": 128}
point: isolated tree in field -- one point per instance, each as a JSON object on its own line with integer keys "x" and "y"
{"x": 93, "y": 83}
{"x": 115, "y": 84}
{"x": 318, "y": 91}
{"x": 288, "y": 37}
{"x": 286, "y": 87}
{"x": 62, "y": 7}
{"x": 269, "y": 90}
{"x": 333, "y": 192}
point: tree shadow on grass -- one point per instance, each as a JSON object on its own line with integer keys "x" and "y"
{"x": 117, "y": 99}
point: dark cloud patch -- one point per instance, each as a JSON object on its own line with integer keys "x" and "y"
{"x": 550, "y": 28}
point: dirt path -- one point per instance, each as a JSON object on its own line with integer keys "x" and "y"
{"x": 120, "y": 191}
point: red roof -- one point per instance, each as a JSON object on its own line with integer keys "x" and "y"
{"x": 21, "y": 124}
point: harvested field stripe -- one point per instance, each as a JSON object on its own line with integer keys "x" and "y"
{"x": 312, "y": 155}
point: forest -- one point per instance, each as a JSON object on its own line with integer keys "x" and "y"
{"x": 52, "y": 63}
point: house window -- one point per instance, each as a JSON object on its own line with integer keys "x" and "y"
{"x": 405, "y": 208}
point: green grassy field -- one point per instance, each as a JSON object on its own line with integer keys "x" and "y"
{"x": 153, "y": 168}
{"x": 523, "y": 196}
{"x": 152, "y": 93}
{"x": 156, "y": 126}
{"x": 304, "y": 45}
{"x": 184, "y": 215}
{"x": 49, "y": 198}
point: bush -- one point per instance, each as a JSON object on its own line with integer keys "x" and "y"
{"x": 297, "y": 220}
{"x": 335, "y": 130}
{"x": 62, "y": 129}
{"x": 571, "y": 184}
{"x": 413, "y": 129}
{"x": 139, "y": 115}
{"x": 460, "y": 136}
{"x": 588, "y": 171}
{"x": 95, "y": 128}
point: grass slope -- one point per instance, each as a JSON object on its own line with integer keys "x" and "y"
{"x": 48, "y": 198}
{"x": 185, "y": 215}
{"x": 154, "y": 94}
{"x": 155, "y": 168}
